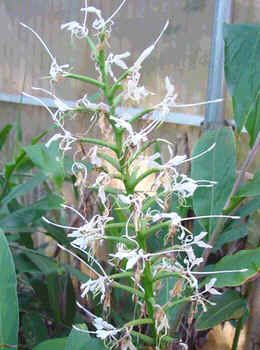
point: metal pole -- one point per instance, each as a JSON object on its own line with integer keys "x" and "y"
{"x": 214, "y": 114}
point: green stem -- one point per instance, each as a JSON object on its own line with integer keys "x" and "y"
{"x": 237, "y": 333}
{"x": 141, "y": 114}
{"x": 143, "y": 176}
{"x": 99, "y": 143}
{"x": 84, "y": 79}
{"x": 128, "y": 289}
{"x": 139, "y": 322}
{"x": 163, "y": 275}
{"x": 91, "y": 45}
{"x": 142, "y": 149}
{"x": 124, "y": 240}
{"x": 118, "y": 225}
{"x": 121, "y": 275}
{"x": 147, "y": 278}
{"x": 156, "y": 228}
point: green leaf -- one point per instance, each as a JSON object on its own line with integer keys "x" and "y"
{"x": 24, "y": 188}
{"x": 253, "y": 122}
{"x": 44, "y": 263}
{"x": 228, "y": 306}
{"x": 249, "y": 207}
{"x": 162, "y": 298}
{"x": 217, "y": 165}
{"x": 62, "y": 300}
{"x": 34, "y": 329}
{"x": 242, "y": 70}
{"x": 230, "y": 235}
{"x": 23, "y": 217}
{"x": 53, "y": 344}
{"x": 9, "y": 314}
{"x": 245, "y": 259}
{"x": 49, "y": 160}
{"x": 83, "y": 341}
{"x": 251, "y": 188}
{"x": 4, "y": 134}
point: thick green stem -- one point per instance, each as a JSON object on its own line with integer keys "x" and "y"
{"x": 123, "y": 168}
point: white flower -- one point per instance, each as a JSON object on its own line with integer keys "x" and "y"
{"x": 198, "y": 240}
{"x": 100, "y": 24}
{"x": 209, "y": 287}
{"x": 105, "y": 330}
{"x": 96, "y": 287}
{"x": 147, "y": 52}
{"x": 93, "y": 106}
{"x": 174, "y": 217}
{"x": 78, "y": 30}
{"x": 199, "y": 296}
{"x": 133, "y": 91}
{"x": 135, "y": 138}
{"x": 132, "y": 256}
{"x": 56, "y": 70}
{"x": 94, "y": 159}
{"x": 90, "y": 231}
{"x": 169, "y": 99}
{"x": 66, "y": 140}
{"x": 117, "y": 60}
{"x": 192, "y": 260}
{"x": 184, "y": 185}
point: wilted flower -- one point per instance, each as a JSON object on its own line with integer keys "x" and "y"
{"x": 102, "y": 181}
{"x": 161, "y": 321}
{"x": 126, "y": 343}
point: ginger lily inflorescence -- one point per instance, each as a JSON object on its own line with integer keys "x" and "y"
{"x": 132, "y": 265}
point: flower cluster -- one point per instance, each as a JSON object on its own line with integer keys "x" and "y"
{"x": 143, "y": 212}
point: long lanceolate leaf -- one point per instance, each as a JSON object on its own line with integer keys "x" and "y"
{"x": 242, "y": 69}
{"x": 9, "y": 316}
{"x": 219, "y": 165}
{"x": 248, "y": 261}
